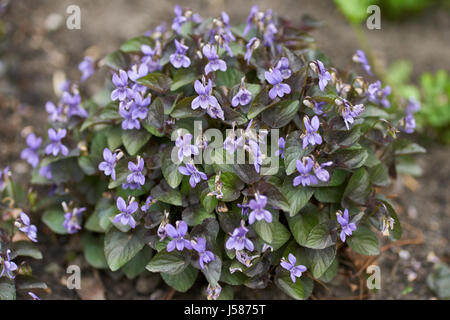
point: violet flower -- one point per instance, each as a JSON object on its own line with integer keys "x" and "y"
{"x": 348, "y": 112}
{"x": 179, "y": 58}
{"x": 30, "y": 153}
{"x": 238, "y": 240}
{"x": 360, "y": 57}
{"x": 136, "y": 73}
{"x": 185, "y": 148}
{"x": 347, "y": 228}
{"x": 46, "y": 172}
{"x": 178, "y": 236}
{"x": 56, "y": 146}
{"x": 256, "y": 154}
{"x": 4, "y": 174}
{"x": 87, "y": 68}
{"x": 54, "y": 113}
{"x": 213, "y": 293}
{"x": 136, "y": 177}
{"x": 148, "y": 203}
{"x": 26, "y": 227}
{"x": 129, "y": 122}
{"x": 125, "y": 216}
{"x": 258, "y": 212}
{"x": 296, "y": 271}
{"x": 320, "y": 172}
{"x": 279, "y": 88}
{"x": 311, "y": 135}
{"x": 317, "y": 107}
{"x": 305, "y": 178}
{"x": 206, "y": 100}
{"x": 252, "y": 44}
{"x": 150, "y": 58}
{"x": 179, "y": 19}
{"x": 214, "y": 63}
{"x": 8, "y": 266}
{"x": 72, "y": 220}
{"x": 32, "y": 295}
{"x": 205, "y": 256}
{"x": 140, "y": 106}
{"x": 322, "y": 73}
{"x": 249, "y": 24}
{"x": 122, "y": 91}
{"x": 283, "y": 66}
{"x": 73, "y": 101}
{"x": 243, "y": 97}
{"x": 232, "y": 142}
{"x": 191, "y": 170}
{"x": 109, "y": 163}
{"x": 377, "y": 95}
{"x": 281, "y": 147}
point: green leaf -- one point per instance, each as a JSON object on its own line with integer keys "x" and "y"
{"x": 231, "y": 186}
{"x": 379, "y": 175}
{"x": 300, "y": 290}
{"x": 183, "y": 77}
{"x": 260, "y": 103}
{"x": 164, "y": 193}
{"x": 23, "y": 248}
{"x": 281, "y": 113}
{"x": 280, "y": 235}
{"x": 7, "y": 289}
{"x": 297, "y": 197}
{"x": 117, "y": 60}
{"x": 121, "y": 247}
{"x": 94, "y": 252}
{"x": 331, "y": 272}
{"x": 228, "y": 78}
{"x": 158, "y": 82}
{"x": 351, "y": 159}
{"x": 438, "y": 281}
{"x": 358, "y": 188}
{"x": 226, "y": 293}
{"x": 54, "y": 219}
{"x": 137, "y": 265}
{"x": 134, "y": 140}
{"x": 100, "y": 220}
{"x": 364, "y": 241}
{"x": 329, "y": 194}
{"x": 170, "y": 169}
{"x": 87, "y": 165}
{"x": 213, "y": 270}
{"x": 264, "y": 230}
{"x": 274, "y": 196}
{"x": 209, "y": 202}
{"x": 406, "y": 147}
{"x": 114, "y": 137}
{"x": 320, "y": 260}
{"x": 154, "y": 123}
{"x": 182, "y": 281}
{"x": 168, "y": 262}
{"x": 183, "y": 109}
{"x": 195, "y": 215}
{"x": 134, "y": 44}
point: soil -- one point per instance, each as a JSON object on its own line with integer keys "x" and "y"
{"x": 37, "y": 49}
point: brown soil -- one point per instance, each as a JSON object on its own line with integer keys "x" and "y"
{"x": 33, "y": 54}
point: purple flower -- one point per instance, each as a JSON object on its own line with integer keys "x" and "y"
{"x": 347, "y": 228}
{"x": 108, "y": 166}
{"x": 213, "y": 293}
{"x": 179, "y": 58}
{"x": 377, "y": 95}
{"x": 140, "y": 106}
{"x": 283, "y": 66}
{"x": 150, "y": 56}
{"x": 243, "y": 97}
{"x": 87, "y": 68}
{"x": 29, "y": 229}
{"x": 121, "y": 82}
{"x": 30, "y": 153}
{"x": 256, "y": 154}
{"x": 125, "y": 216}
{"x": 179, "y": 19}
{"x": 136, "y": 73}
{"x": 205, "y": 256}
{"x": 32, "y": 295}
{"x": 281, "y": 146}
{"x": 148, "y": 203}
{"x": 311, "y": 135}
{"x": 279, "y": 88}
{"x": 349, "y": 112}
{"x": 204, "y": 99}
{"x": 136, "y": 176}
{"x": 177, "y": 234}
{"x": 320, "y": 172}
{"x": 238, "y": 239}
{"x": 296, "y": 271}
{"x": 126, "y": 112}
{"x": 56, "y": 147}
{"x": 73, "y": 101}
{"x": 244, "y": 207}
{"x": 316, "y": 106}
{"x": 214, "y": 63}
{"x": 8, "y": 266}
{"x": 269, "y": 33}
{"x": 258, "y": 212}
{"x": 409, "y": 123}
{"x": 191, "y": 170}
{"x": 252, "y": 44}
{"x": 322, "y": 73}
{"x": 46, "y": 172}
{"x": 232, "y": 142}
{"x": 4, "y": 174}
{"x": 360, "y": 57}
{"x": 72, "y": 220}
{"x": 250, "y": 19}
{"x": 185, "y": 148}
{"x": 412, "y": 106}
{"x": 304, "y": 168}
{"x": 216, "y": 112}
{"x": 54, "y": 113}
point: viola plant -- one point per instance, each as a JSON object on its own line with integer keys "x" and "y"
{"x": 224, "y": 150}
{"x": 18, "y": 236}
